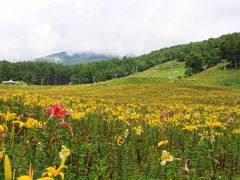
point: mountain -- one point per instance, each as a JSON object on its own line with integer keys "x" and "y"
{"x": 74, "y": 58}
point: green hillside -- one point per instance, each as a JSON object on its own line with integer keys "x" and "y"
{"x": 158, "y": 74}
{"x": 214, "y": 76}
{"x": 164, "y": 70}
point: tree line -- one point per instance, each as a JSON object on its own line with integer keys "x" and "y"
{"x": 197, "y": 56}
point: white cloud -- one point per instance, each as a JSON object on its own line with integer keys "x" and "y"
{"x": 30, "y": 29}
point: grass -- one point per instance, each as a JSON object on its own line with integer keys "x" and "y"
{"x": 164, "y": 70}
{"x": 214, "y": 76}
{"x": 157, "y": 74}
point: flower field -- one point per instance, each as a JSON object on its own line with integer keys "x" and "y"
{"x": 125, "y": 131}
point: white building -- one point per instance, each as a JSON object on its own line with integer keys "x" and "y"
{"x": 10, "y": 82}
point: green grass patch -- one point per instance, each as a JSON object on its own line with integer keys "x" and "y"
{"x": 164, "y": 70}
{"x": 216, "y": 76}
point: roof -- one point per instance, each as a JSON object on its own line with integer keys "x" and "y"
{"x": 10, "y": 82}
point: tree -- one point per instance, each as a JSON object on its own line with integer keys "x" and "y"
{"x": 230, "y": 49}
{"x": 74, "y": 79}
{"x": 5, "y": 71}
{"x": 194, "y": 63}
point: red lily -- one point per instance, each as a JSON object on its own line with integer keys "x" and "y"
{"x": 58, "y": 112}
{"x": 163, "y": 115}
{"x": 144, "y": 120}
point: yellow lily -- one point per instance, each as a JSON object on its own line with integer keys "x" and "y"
{"x": 166, "y": 157}
{"x": 120, "y": 140}
{"x": 236, "y": 131}
{"x": 1, "y": 155}
{"x": 8, "y": 116}
{"x": 7, "y": 168}
{"x": 21, "y": 124}
{"x": 190, "y": 128}
{"x": 53, "y": 172}
{"x": 2, "y": 130}
{"x": 126, "y": 133}
{"x": 138, "y": 130}
{"x": 29, "y": 176}
{"x": 162, "y": 143}
{"x": 64, "y": 153}
{"x": 45, "y": 178}
{"x": 29, "y": 124}
{"x": 78, "y": 115}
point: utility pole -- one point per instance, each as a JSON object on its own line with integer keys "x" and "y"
{"x": 204, "y": 67}
{"x": 170, "y": 71}
{"x": 42, "y": 80}
{"x": 133, "y": 70}
{"x": 225, "y": 69}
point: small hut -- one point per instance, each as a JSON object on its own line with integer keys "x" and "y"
{"x": 10, "y": 82}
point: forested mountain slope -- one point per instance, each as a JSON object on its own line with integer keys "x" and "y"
{"x": 198, "y": 56}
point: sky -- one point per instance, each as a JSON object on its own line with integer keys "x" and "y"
{"x": 36, "y": 28}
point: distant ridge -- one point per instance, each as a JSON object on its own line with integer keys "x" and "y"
{"x": 74, "y": 58}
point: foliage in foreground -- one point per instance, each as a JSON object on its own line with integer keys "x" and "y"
{"x": 129, "y": 132}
